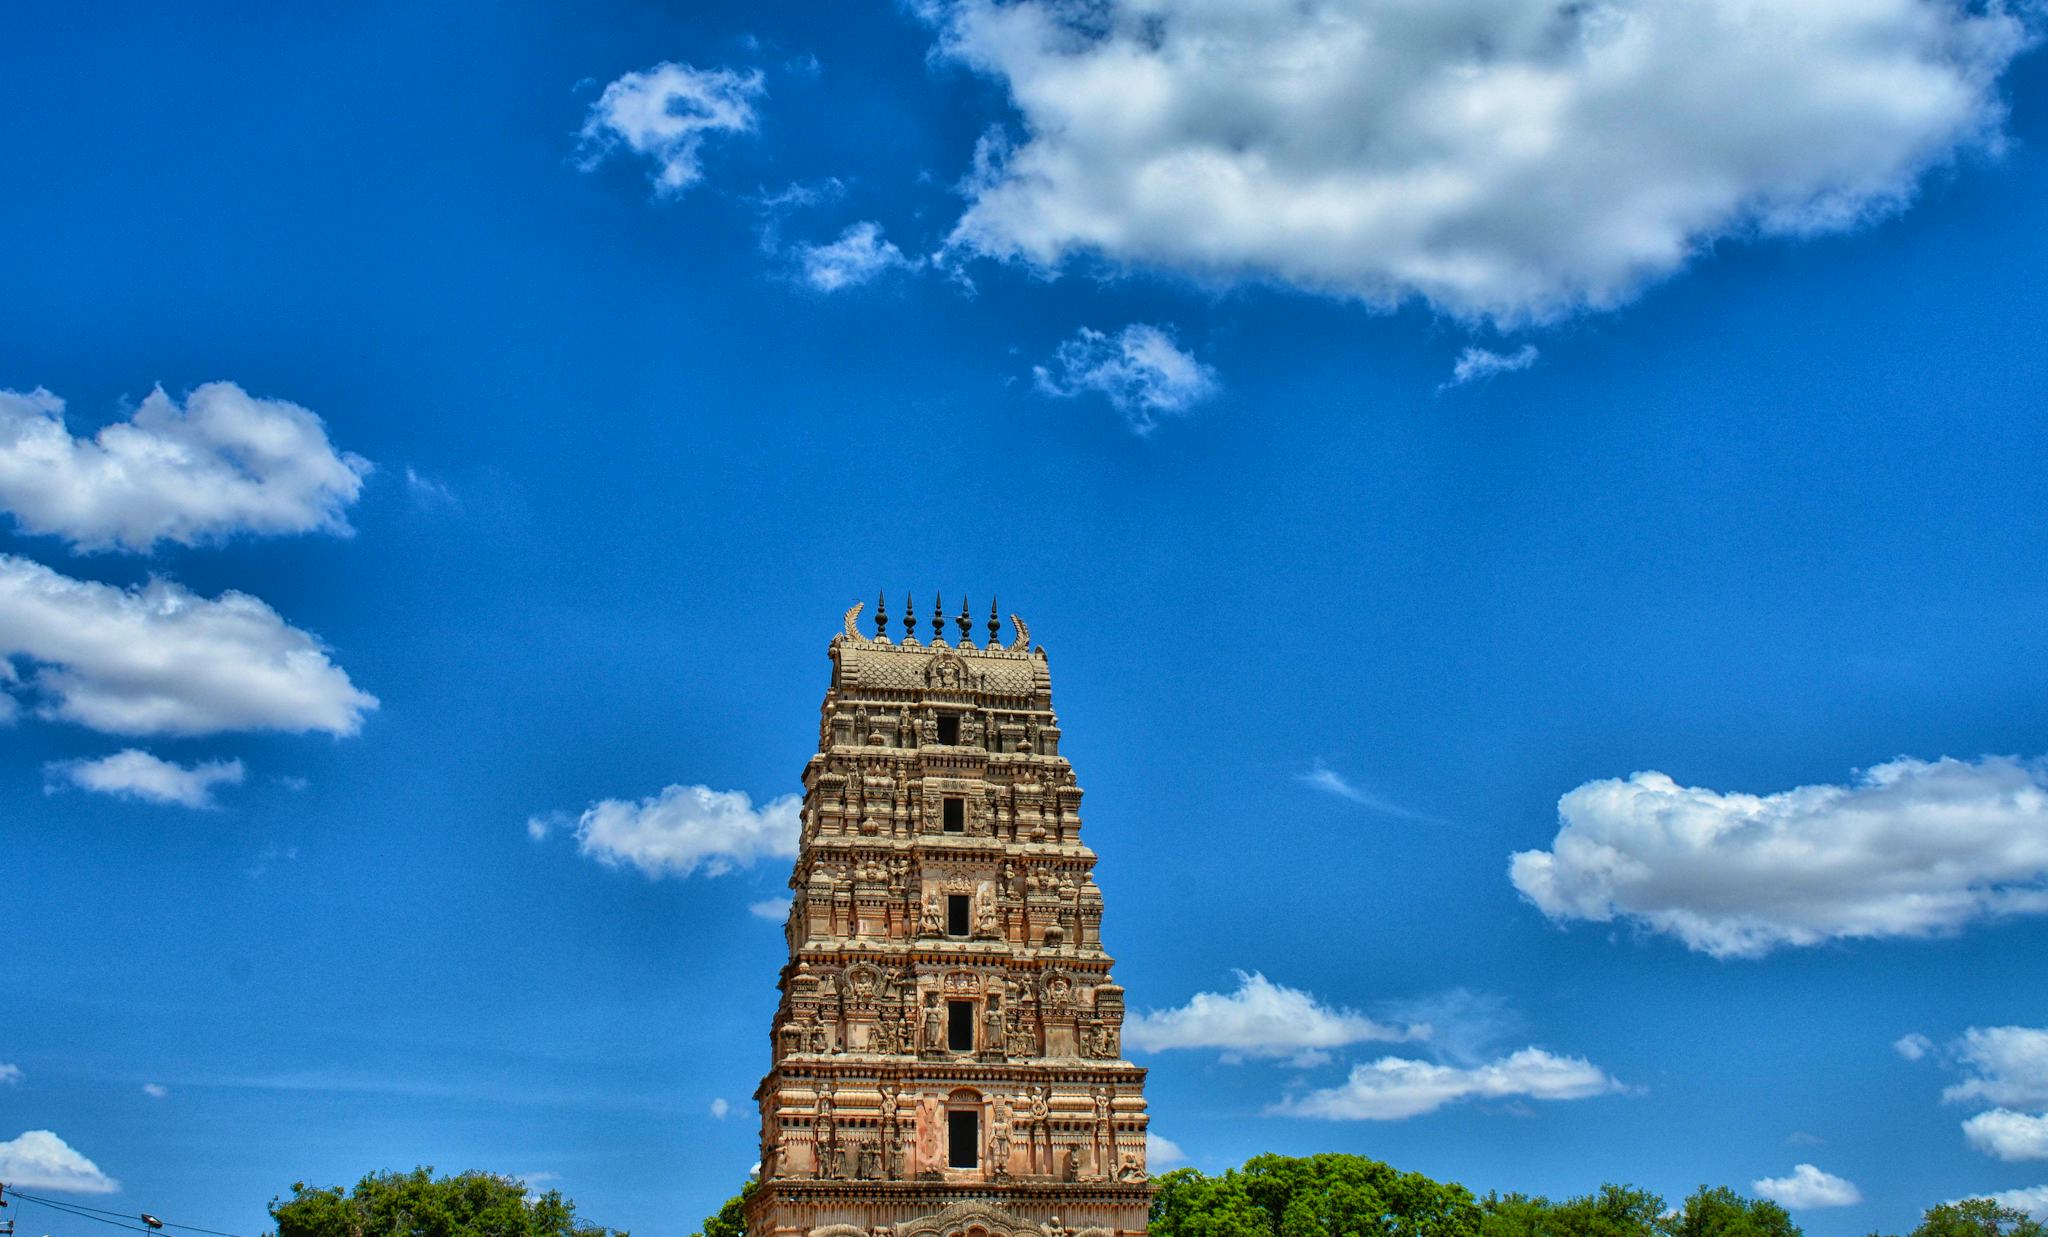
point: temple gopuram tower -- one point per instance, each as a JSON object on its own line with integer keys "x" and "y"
{"x": 948, "y": 1053}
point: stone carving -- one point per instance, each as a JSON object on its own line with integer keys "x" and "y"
{"x": 934, "y": 1025}
{"x": 864, "y": 1024}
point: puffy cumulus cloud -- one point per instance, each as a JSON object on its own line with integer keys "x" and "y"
{"x": 135, "y": 774}
{"x": 1394, "y": 1088}
{"x": 1512, "y": 159}
{"x": 774, "y": 910}
{"x": 1912, "y": 848}
{"x": 2033, "y": 1200}
{"x": 2003, "y": 1065}
{"x": 1161, "y": 1152}
{"x": 221, "y": 463}
{"x": 859, "y": 255}
{"x": 665, "y": 114}
{"x": 39, "y": 1160}
{"x": 1808, "y": 1187}
{"x": 2008, "y": 1135}
{"x": 1474, "y": 364}
{"x": 1139, "y": 370}
{"x": 160, "y": 659}
{"x": 1913, "y": 1046}
{"x": 1260, "y": 1019}
{"x": 681, "y": 830}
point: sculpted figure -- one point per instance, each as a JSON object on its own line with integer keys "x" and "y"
{"x": 931, "y": 923}
{"x": 1130, "y": 1171}
{"x": 934, "y": 1024}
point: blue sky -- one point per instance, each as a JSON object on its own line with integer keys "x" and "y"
{"x": 434, "y": 431}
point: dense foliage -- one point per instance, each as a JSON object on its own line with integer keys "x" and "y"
{"x": 1977, "y": 1217}
{"x": 418, "y": 1204}
{"x": 1312, "y": 1196}
{"x": 731, "y": 1219}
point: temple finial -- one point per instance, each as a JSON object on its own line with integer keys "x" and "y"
{"x": 881, "y": 617}
{"x": 938, "y": 618}
{"x": 965, "y": 624}
{"x": 909, "y": 619}
{"x": 995, "y": 626}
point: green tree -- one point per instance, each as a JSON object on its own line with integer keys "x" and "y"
{"x": 1616, "y": 1211}
{"x": 418, "y": 1204}
{"x": 731, "y": 1219}
{"x": 1721, "y": 1212}
{"x": 1977, "y": 1217}
{"x": 1311, "y": 1196}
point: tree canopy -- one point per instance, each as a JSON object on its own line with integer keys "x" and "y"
{"x": 1351, "y": 1196}
{"x": 1311, "y": 1196}
{"x": 419, "y": 1204}
{"x": 1977, "y": 1217}
{"x": 731, "y": 1219}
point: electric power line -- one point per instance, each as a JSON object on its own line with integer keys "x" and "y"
{"x": 120, "y": 1219}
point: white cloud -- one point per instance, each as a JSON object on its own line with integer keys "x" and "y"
{"x": 775, "y": 910}
{"x": 162, "y": 660}
{"x": 1140, "y": 371}
{"x": 1331, "y": 782}
{"x": 427, "y": 493}
{"x": 1913, "y": 1046}
{"x": 1477, "y": 363}
{"x": 665, "y": 113}
{"x": 682, "y": 829}
{"x": 857, "y": 256}
{"x": 2008, "y": 1135}
{"x": 1911, "y": 848}
{"x": 2006, "y": 1065}
{"x": 1260, "y": 1019}
{"x": 1809, "y": 1187}
{"x": 719, "y": 1108}
{"x": 1499, "y": 158}
{"x": 1162, "y": 1152}
{"x": 224, "y": 462}
{"x": 136, "y": 774}
{"x": 1393, "y": 1088}
{"x": 39, "y": 1160}
{"x": 155, "y": 1090}
{"x": 9, "y": 1074}
{"x": 2033, "y": 1200}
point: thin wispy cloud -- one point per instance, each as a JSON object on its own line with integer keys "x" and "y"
{"x": 1474, "y": 364}
{"x": 1331, "y": 782}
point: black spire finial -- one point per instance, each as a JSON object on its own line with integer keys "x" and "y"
{"x": 965, "y": 624}
{"x": 938, "y": 618}
{"x": 909, "y": 618}
{"x": 995, "y": 626}
{"x": 881, "y": 617}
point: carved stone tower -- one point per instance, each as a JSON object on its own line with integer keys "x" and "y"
{"x": 948, "y": 1049}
